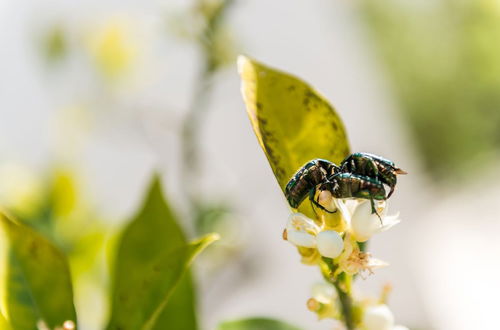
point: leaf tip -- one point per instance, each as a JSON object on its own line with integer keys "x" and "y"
{"x": 244, "y": 63}
{"x": 206, "y": 240}
{"x": 210, "y": 238}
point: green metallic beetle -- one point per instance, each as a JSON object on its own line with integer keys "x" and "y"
{"x": 360, "y": 175}
{"x": 374, "y": 167}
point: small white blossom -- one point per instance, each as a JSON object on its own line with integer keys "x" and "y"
{"x": 301, "y": 231}
{"x": 324, "y": 292}
{"x": 330, "y": 243}
{"x": 378, "y": 317}
{"x": 365, "y": 224}
{"x": 400, "y": 327}
{"x": 353, "y": 260}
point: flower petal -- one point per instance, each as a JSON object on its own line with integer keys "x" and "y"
{"x": 378, "y": 318}
{"x": 390, "y": 221}
{"x": 299, "y": 222}
{"x": 324, "y": 292}
{"x": 374, "y": 263}
{"x": 300, "y": 238}
{"x": 364, "y": 224}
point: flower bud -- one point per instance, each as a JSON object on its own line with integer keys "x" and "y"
{"x": 325, "y": 199}
{"x": 378, "y": 318}
{"x": 313, "y": 305}
{"x": 324, "y": 292}
{"x": 300, "y": 238}
{"x": 329, "y": 243}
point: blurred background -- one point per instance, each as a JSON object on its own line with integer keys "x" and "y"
{"x": 97, "y": 95}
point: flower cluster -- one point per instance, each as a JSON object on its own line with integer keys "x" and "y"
{"x": 333, "y": 241}
{"x": 373, "y": 314}
{"x": 316, "y": 238}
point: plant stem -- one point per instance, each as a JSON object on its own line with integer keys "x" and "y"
{"x": 346, "y": 302}
{"x": 343, "y": 286}
{"x": 197, "y": 111}
{"x": 190, "y": 130}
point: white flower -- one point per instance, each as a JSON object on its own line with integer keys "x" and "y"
{"x": 378, "y": 317}
{"x": 365, "y": 224}
{"x": 400, "y": 327}
{"x": 330, "y": 243}
{"x": 353, "y": 260}
{"x": 324, "y": 292}
{"x": 301, "y": 231}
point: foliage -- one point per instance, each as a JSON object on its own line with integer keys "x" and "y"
{"x": 442, "y": 60}
{"x": 257, "y": 323}
{"x": 152, "y": 258}
{"x": 292, "y": 121}
{"x": 37, "y": 283}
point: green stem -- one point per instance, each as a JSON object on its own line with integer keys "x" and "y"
{"x": 346, "y": 302}
{"x": 190, "y": 130}
{"x": 343, "y": 286}
{"x": 198, "y": 108}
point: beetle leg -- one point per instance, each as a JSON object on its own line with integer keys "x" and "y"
{"x": 374, "y": 210}
{"x": 372, "y": 165}
{"x": 390, "y": 192}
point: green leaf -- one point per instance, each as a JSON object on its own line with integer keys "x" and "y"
{"x": 180, "y": 311}
{"x": 4, "y": 324}
{"x": 293, "y": 123}
{"x": 37, "y": 279}
{"x": 257, "y": 323}
{"x": 152, "y": 256}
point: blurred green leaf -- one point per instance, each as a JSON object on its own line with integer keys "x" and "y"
{"x": 152, "y": 256}
{"x": 257, "y": 323}
{"x": 4, "y": 324}
{"x": 180, "y": 311}
{"x": 442, "y": 61}
{"x": 210, "y": 216}
{"x": 38, "y": 283}
{"x": 293, "y": 123}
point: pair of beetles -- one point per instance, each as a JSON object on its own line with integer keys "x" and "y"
{"x": 360, "y": 175}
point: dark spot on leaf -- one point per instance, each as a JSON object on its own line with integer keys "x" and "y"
{"x": 33, "y": 250}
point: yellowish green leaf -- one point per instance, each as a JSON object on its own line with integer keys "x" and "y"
{"x": 152, "y": 257}
{"x": 37, "y": 283}
{"x": 4, "y": 324}
{"x": 293, "y": 123}
{"x": 256, "y": 323}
